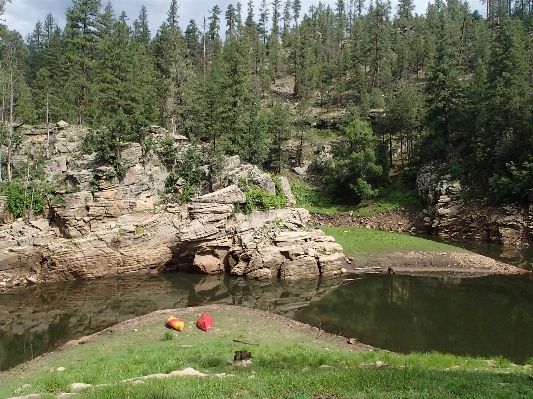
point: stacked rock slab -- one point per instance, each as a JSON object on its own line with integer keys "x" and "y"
{"x": 205, "y": 235}
{"x": 283, "y": 247}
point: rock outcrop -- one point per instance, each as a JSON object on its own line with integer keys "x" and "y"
{"x": 448, "y": 215}
{"x": 93, "y": 238}
{"x": 104, "y": 225}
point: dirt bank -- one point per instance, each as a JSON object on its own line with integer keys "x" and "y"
{"x": 411, "y": 262}
{"x": 440, "y": 263}
{"x": 398, "y": 221}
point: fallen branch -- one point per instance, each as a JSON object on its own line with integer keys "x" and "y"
{"x": 244, "y": 342}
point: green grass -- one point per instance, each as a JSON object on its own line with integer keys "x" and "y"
{"x": 364, "y": 209}
{"x": 393, "y": 201}
{"x": 360, "y": 240}
{"x": 286, "y": 364}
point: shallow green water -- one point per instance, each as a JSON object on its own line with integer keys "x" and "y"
{"x": 486, "y": 316}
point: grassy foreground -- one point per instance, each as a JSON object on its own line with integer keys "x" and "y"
{"x": 367, "y": 241}
{"x": 290, "y": 360}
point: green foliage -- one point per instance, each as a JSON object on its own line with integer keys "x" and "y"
{"x": 20, "y": 201}
{"x": 167, "y": 336}
{"x": 107, "y": 142}
{"x": 513, "y": 185}
{"x": 306, "y": 195}
{"x": 377, "y": 99}
{"x": 258, "y": 199}
{"x": 192, "y": 167}
{"x": 354, "y": 164}
{"x": 167, "y": 151}
{"x": 15, "y": 199}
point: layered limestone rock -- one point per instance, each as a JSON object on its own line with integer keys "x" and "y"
{"x": 203, "y": 236}
{"x": 103, "y": 225}
{"x": 450, "y": 216}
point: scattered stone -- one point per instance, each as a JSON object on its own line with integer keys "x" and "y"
{"x": 380, "y": 364}
{"x": 21, "y": 388}
{"x": 326, "y": 366}
{"x": 60, "y": 369}
{"x": 189, "y": 371}
{"x": 242, "y": 363}
{"x": 78, "y": 386}
{"x": 352, "y": 341}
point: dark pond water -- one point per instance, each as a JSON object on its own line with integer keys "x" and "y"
{"x": 486, "y": 316}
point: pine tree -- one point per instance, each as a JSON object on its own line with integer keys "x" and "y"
{"x": 262, "y": 25}
{"x": 444, "y": 89}
{"x": 175, "y": 71}
{"x": 125, "y": 78}
{"x": 193, "y": 44}
{"x": 81, "y": 38}
{"x": 141, "y": 30}
{"x": 506, "y": 146}
{"x": 280, "y": 131}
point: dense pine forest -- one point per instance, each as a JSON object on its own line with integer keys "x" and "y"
{"x": 269, "y": 81}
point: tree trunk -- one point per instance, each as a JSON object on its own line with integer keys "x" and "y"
{"x": 10, "y": 130}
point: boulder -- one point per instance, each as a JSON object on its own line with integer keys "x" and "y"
{"x": 228, "y": 195}
{"x": 286, "y": 187}
{"x": 331, "y": 265}
{"x": 208, "y": 264}
{"x": 305, "y": 267}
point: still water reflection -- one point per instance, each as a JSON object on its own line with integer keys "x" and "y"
{"x": 486, "y": 316}
{"x": 520, "y": 257}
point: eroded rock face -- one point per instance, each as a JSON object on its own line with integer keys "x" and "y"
{"x": 207, "y": 237}
{"x": 105, "y": 225}
{"x": 450, "y": 216}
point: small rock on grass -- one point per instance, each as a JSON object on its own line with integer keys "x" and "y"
{"x": 186, "y": 372}
{"x": 78, "y": 386}
{"x": 240, "y": 363}
{"x": 21, "y": 388}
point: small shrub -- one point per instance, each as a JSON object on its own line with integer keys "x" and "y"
{"x": 262, "y": 200}
{"x": 19, "y": 202}
{"x": 167, "y": 336}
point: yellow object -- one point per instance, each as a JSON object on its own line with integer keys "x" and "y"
{"x": 176, "y": 323}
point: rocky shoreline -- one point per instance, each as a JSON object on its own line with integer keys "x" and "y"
{"x": 105, "y": 226}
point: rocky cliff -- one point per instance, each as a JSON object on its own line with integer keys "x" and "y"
{"x": 106, "y": 226}
{"x": 449, "y": 215}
